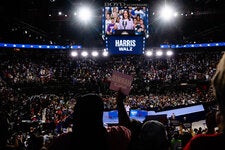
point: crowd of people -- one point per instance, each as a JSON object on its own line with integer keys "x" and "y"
{"x": 39, "y": 91}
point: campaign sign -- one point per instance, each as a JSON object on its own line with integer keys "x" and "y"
{"x": 125, "y": 44}
{"x": 121, "y": 81}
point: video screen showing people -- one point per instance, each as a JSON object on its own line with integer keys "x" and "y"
{"x": 125, "y": 19}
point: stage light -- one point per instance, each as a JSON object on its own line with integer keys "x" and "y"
{"x": 159, "y": 53}
{"x": 167, "y": 13}
{"x": 169, "y": 53}
{"x": 59, "y": 13}
{"x": 149, "y": 53}
{"x": 74, "y": 54}
{"x": 94, "y": 53}
{"x": 84, "y": 14}
{"x": 105, "y": 53}
{"x": 84, "y": 54}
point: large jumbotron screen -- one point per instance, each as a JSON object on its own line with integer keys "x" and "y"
{"x": 125, "y": 26}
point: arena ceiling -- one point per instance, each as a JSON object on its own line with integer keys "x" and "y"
{"x": 201, "y": 21}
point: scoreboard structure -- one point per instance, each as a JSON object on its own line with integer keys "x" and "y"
{"x": 125, "y": 26}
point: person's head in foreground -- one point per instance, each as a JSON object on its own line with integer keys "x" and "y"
{"x": 89, "y": 111}
{"x": 218, "y": 84}
{"x": 214, "y": 140}
{"x": 153, "y": 136}
{"x": 88, "y": 120}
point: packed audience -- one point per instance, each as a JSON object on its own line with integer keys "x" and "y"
{"x": 39, "y": 89}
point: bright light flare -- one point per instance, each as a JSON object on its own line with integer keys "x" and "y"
{"x": 74, "y": 54}
{"x": 84, "y": 54}
{"x": 105, "y": 53}
{"x": 159, "y": 53}
{"x": 85, "y": 14}
{"x": 149, "y": 53}
{"x": 169, "y": 53}
{"x": 94, "y": 53}
{"x": 167, "y": 13}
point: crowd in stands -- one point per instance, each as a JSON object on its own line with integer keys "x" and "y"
{"x": 38, "y": 90}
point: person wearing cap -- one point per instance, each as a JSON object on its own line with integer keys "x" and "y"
{"x": 89, "y": 130}
{"x": 215, "y": 140}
